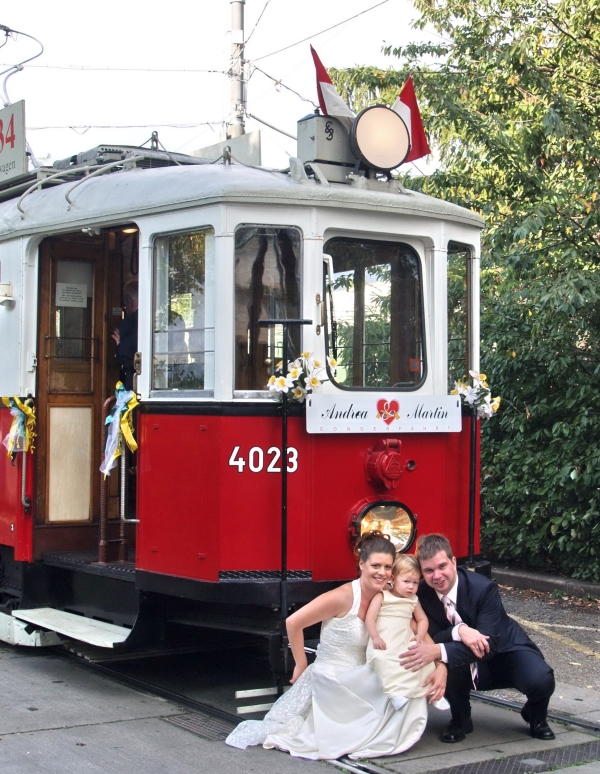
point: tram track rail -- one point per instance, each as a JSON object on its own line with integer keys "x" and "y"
{"x": 344, "y": 763}
{"x": 151, "y": 688}
{"x": 557, "y": 716}
{"x": 362, "y": 767}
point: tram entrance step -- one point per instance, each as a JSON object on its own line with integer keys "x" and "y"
{"x": 76, "y": 627}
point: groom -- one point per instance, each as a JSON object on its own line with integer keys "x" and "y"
{"x": 481, "y": 646}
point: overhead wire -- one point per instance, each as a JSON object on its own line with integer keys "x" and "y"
{"x": 281, "y": 131}
{"x": 257, "y": 21}
{"x": 86, "y": 127}
{"x": 316, "y": 34}
{"x": 197, "y": 136}
{"x": 279, "y": 82}
{"x": 86, "y": 68}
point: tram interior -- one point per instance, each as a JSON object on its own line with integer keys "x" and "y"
{"x": 81, "y": 301}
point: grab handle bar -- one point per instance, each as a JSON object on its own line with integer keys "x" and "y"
{"x": 99, "y": 171}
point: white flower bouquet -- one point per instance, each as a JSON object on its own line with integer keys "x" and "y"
{"x": 478, "y": 395}
{"x": 303, "y": 376}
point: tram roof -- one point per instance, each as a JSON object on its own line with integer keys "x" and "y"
{"x": 122, "y": 196}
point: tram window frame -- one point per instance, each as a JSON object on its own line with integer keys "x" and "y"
{"x": 397, "y": 387}
{"x": 465, "y": 297}
{"x": 207, "y": 332}
{"x": 263, "y": 336}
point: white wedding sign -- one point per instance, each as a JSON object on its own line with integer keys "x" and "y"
{"x": 397, "y": 412}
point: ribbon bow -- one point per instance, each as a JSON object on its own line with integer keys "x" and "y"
{"x": 120, "y": 422}
{"x": 22, "y": 430}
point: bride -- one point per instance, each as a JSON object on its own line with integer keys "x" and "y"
{"x": 337, "y": 706}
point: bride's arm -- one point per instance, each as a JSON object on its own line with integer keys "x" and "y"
{"x": 329, "y": 605}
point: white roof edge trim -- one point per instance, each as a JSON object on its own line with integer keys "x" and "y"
{"x": 130, "y": 195}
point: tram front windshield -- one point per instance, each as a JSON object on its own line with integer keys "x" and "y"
{"x": 375, "y": 315}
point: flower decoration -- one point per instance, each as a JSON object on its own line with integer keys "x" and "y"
{"x": 478, "y": 395}
{"x": 304, "y": 375}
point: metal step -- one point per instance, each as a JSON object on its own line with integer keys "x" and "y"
{"x": 17, "y": 632}
{"x": 76, "y": 627}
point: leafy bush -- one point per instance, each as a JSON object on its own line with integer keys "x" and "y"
{"x": 508, "y": 93}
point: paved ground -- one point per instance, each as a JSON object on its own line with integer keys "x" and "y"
{"x": 566, "y": 629}
{"x": 57, "y": 718}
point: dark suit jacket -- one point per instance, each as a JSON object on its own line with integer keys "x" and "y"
{"x": 127, "y": 347}
{"x": 480, "y": 607}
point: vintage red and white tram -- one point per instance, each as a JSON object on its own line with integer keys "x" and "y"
{"x": 216, "y": 249}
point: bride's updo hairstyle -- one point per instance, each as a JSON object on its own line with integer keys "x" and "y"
{"x": 374, "y": 542}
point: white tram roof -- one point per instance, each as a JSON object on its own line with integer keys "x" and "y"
{"x": 122, "y": 196}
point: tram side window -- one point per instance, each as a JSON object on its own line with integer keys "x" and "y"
{"x": 267, "y": 286}
{"x": 184, "y": 328}
{"x": 375, "y": 315}
{"x": 458, "y": 312}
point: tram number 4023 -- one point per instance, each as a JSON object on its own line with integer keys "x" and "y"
{"x": 257, "y": 461}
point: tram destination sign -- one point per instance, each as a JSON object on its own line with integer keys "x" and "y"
{"x": 380, "y": 413}
{"x": 13, "y": 151}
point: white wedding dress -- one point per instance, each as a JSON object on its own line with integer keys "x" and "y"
{"x": 337, "y": 706}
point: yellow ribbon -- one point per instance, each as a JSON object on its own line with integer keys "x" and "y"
{"x": 123, "y": 429}
{"x": 126, "y": 423}
{"x": 28, "y": 410}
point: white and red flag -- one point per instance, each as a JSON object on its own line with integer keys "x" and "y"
{"x": 330, "y": 102}
{"x": 407, "y": 108}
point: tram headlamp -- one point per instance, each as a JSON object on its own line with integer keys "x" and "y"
{"x": 392, "y": 518}
{"x": 379, "y": 137}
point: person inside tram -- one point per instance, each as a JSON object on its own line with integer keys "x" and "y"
{"x": 126, "y": 334}
{"x": 481, "y": 645}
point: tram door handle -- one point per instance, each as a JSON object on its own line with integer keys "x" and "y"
{"x": 137, "y": 370}
{"x": 328, "y": 280}
{"x": 321, "y": 305}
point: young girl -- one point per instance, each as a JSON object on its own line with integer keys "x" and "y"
{"x": 388, "y": 622}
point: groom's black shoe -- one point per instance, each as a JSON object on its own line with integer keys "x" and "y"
{"x": 456, "y": 731}
{"x": 539, "y": 729}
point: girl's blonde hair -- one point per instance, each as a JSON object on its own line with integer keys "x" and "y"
{"x": 405, "y": 563}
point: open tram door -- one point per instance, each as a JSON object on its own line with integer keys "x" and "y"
{"x": 81, "y": 282}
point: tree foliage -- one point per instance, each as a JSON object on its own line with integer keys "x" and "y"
{"x": 508, "y": 92}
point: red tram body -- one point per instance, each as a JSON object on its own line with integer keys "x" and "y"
{"x": 438, "y": 483}
{"x": 214, "y": 249}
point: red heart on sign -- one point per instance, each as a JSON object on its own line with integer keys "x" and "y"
{"x": 388, "y": 410}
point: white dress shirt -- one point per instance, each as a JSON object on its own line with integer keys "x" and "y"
{"x": 452, "y": 596}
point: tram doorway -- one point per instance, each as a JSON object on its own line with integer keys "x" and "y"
{"x": 81, "y": 281}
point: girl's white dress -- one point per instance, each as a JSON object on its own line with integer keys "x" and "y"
{"x": 393, "y": 626}
{"x": 337, "y": 706}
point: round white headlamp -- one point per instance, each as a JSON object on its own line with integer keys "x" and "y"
{"x": 379, "y": 138}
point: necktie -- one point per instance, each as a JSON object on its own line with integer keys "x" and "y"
{"x": 455, "y": 619}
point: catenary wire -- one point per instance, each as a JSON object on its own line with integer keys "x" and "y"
{"x": 315, "y": 34}
{"x": 86, "y": 68}
{"x": 127, "y": 126}
{"x": 258, "y": 20}
{"x": 279, "y": 82}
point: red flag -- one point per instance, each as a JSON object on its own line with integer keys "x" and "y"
{"x": 329, "y": 100}
{"x": 407, "y": 108}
